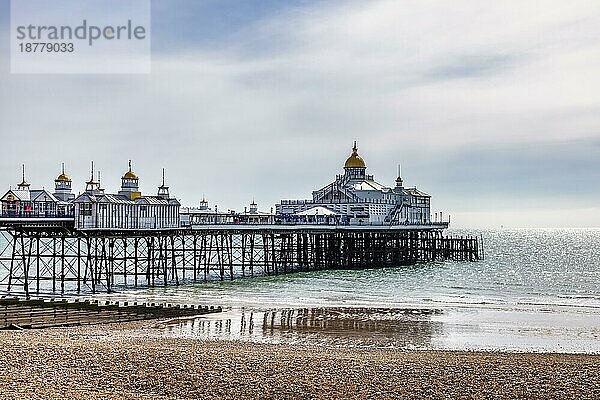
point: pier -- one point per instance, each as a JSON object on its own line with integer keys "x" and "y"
{"x": 39, "y": 258}
{"x": 99, "y": 242}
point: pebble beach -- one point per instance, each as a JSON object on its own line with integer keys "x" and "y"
{"x": 136, "y": 360}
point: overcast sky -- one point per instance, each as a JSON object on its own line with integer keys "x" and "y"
{"x": 491, "y": 107}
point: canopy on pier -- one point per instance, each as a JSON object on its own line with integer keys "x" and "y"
{"x": 317, "y": 211}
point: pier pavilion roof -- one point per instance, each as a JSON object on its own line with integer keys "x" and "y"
{"x": 114, "y": 198}
{"x": 369, "y": 185}
{"x": 414, "y": 192}
{"x": 102, "y": 198}
{"x": 202, "y": 211}
{"x": 255, "y": 212}
{"x": 348, "y": 188}
{"x": 154, "y": 200}
{"x": 85, "y": 198}
{"x": 43, "y": 195}
{"x": 318, "y": 210}
{"x": 19, "y": 195}
{"x": 30, "y": 196}
{"x": 121, "y": 199}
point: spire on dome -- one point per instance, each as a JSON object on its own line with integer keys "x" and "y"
{"x": 63, "y": 177}
{"x": 355, "y": 161}
{"x": 130, "y": 174}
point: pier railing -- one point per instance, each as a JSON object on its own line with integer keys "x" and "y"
{"x": 31, "y": 214}
{"x": 45, "y": 219}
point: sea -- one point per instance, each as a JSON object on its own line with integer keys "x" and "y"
{"x": 536, "y": 290}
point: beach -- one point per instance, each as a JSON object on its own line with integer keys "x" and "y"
{"x": 505, "y": 327}
{"x": 137, "y": 360}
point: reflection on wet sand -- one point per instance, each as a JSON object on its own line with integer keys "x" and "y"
{"x": 357, "y": 327}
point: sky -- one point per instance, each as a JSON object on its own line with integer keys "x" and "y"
{"x": 493, "y": 108}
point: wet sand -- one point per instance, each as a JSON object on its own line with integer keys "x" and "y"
{"x": 137, "y": 360}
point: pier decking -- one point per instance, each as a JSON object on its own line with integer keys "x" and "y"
{"x": 40, "y": 258}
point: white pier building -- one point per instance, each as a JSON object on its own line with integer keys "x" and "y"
{"x": 204, "y": 215}
{"x": 26, "y": 202}
{"x": 356, "y": 198}
{"x": 128, "y": 209}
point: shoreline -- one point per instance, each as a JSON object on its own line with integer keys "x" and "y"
{"x": 401, "y": 328}
{"x": 137, "y": 360}
{"x": 555, "y": 331}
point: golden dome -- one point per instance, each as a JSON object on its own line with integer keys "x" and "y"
{"x": 355, "y": 161}
{"x": 129, "y": 174}
{"x": 63, "y": 178}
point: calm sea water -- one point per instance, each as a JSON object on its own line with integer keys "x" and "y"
{"x": 522, "y": 268}
{"x": 536, "y": 290}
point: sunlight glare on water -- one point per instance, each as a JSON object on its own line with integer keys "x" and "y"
{"x": 521, "y": 267}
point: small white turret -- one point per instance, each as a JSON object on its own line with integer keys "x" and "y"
{"x": 62, "y": 186}
{"x": 399, "y": 182}
{"x": 23, "y": 185}
{"x": 203, "y": 204}
{"x": 130, "y": 184}
{"x": 253, "y": 207}
{"x": 92, "y": 186}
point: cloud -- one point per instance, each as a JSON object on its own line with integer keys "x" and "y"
{"x": 271, "y": 111}
{"x": 467, "y": 66}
